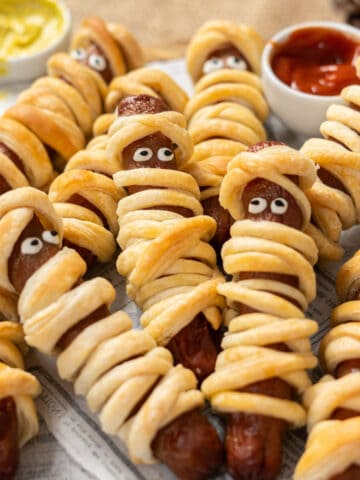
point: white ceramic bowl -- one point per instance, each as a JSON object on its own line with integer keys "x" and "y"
{"x": 301, "y": 112}
{"x": 22, "y": 69}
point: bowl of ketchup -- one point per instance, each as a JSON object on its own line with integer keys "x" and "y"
{"x": 304, "y": 69}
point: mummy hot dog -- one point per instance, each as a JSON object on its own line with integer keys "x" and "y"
{"x": 24, "y": 159}
{"x": 228, "y": 108}
{"x": 107, "y": 48}
{"x": 332, "y": 451}
{"x": 335, "y": 196}
{"x": 51, "y": 120}
{"x": 267, "y": 349}
{"x": 223, "y": 44}
{"x": 170, "y": 268}
{"x": 83, "y": 195}
{"x": 18, "y": 419}
{"x": 86, "y": 201}
{"x": 129, "y": 381}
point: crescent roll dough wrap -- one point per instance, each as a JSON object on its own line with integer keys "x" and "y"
{"x": 57, "y": 114}
{"x": 227, "y": 111}
{"x": 336, "y": 207}
{"x": 148, "y": 81}
{"x": 214, "y": 35}
{"x": 126, "y": 130}
{"x": 88, "y": 83}
{"x": 116, "y": 42}
{"x": 36, "y": 168}
{"x": 220, "y": 132}
{"x": 333, "y": 445}
{"x": 265, "y": 246}
{"x": 245, "y": 359}
{"x": 74, "y": 106}
{"x": 15, "y": 382}
{"x": 235, "y": 86}
{"x": 16, "y": 211}
{"x": 87, "y": 172}
{"x": 115, "y": 367}
{"x": 166, "y": 258}
{"x": 276, "y": 308}
{"x": 92, "y": 226}
{"x": 112, "y": 365}
{"x": 50, "y": 119}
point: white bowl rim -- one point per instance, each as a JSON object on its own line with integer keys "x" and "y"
{"x": 281, "y": 36}
{"x": 67, "y": 18}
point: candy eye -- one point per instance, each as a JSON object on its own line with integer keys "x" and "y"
{"x": 236, "y": 62}
{"x": 97, "y": 62}
{"x": 279, "y": 206}
{"x": 51, "y": 236}
{"x": 31, "y": 246}
{"x": 257, "y": 205}
{"x": 212, "y": 65}
{"x": 142, "y": 154}
{"x": 78, "y": 54}
{"x": 165, "y": 155}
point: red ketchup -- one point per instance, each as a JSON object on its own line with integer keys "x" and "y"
{"x": 317, "y": 60}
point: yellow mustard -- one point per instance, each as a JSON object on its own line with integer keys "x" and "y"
{"x": 28, "y": 26}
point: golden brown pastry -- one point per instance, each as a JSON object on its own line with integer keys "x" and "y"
{"x": 170, "y": 267}
{"x": 204, "y": 51}
{"x": 267, "y": 350}
{"x": 332, "y": 451}
{"x": 84, "y": 195}
{"x": 144, "y": 81}
{"x": 335, "y": 196}
{"x": 107, "y": 48}
{"x": 24, "y": 160}
{"x": 51, "y": 91}
{"x": 83, "y": 79}
{"x": 49, "y": 118}
{"x": 18, "y": 416}
{"x": 227, "y": 111}
{"x": 148, "y": 81}
{"x": 229, "y": 85}
{"x": 86, "y": 200}
{"x": 130, "y": 382}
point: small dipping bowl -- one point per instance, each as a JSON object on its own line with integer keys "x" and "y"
{"x": 299, "y": 111}
{"x": 27, "y": 66}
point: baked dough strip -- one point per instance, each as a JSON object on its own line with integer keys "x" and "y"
{"x": 114, "y": 366}
{"x": 89, "y": 172}
{"x": 333, "y": 444}
{"x": 265, "y": 246}
{"x": 334, "y": 209}
{"x": 227, "y": 111}
{"x": 16, "y": 383}
{"x": 166, "y": 258}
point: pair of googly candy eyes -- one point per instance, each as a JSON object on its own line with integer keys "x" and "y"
{"x": 146, "y": 154}
{"x": 33, "y": 245}
{"x": 95, "y": 60}
{"x": 232, "y": 61}
{"x": 278, "y": 206}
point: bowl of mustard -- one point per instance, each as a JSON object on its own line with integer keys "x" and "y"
{"x": 30, "y": 32}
